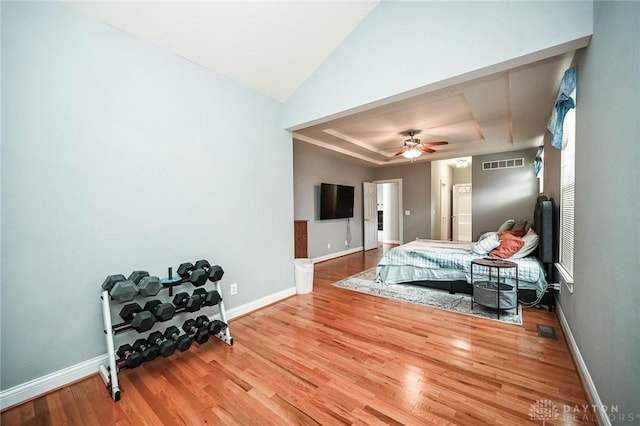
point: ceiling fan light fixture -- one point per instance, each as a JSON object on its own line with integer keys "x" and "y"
{"x": 461, "y": 162}
{"x": 412, "y": 153}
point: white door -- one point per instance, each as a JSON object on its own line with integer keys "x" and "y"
{"x": 370, "y": 197}
{"x": 445, "y": 211}
{"x": 462, "y": 212}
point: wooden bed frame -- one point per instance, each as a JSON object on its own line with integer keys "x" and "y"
{"x": 543, "y": 224}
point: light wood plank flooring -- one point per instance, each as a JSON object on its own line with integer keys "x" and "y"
{"x": 338, "y": 357}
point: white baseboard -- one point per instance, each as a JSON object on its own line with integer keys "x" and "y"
{"x": 337, "y": 254}
{"x": 592, "y": 392}
{"x": 34, "y": 388}
{"x": 49, "y": 382}
{"x": 260, "y": 303}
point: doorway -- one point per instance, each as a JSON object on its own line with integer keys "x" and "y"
{"x": 445, "y": 175}
{"x": 382, "y": 209}
{"x": 462, "y": 212}
{"x": 389, "y": 208}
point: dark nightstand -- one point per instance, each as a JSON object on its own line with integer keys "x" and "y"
{"x": 494, "y": 293}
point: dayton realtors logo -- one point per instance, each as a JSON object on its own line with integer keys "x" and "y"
{"x": 544, "y": 410}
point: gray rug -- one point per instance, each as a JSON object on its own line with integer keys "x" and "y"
{"x": 440, "y": 299}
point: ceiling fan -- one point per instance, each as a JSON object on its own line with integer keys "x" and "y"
{"x": 413, "y": 148}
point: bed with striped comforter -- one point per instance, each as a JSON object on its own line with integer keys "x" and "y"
{"x": 433, "y": 260}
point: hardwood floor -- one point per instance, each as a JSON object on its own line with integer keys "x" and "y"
{"x": 339, "y": 357}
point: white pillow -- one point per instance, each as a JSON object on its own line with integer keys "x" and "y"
{"x": 486, "y": 243}
{"x": 530, "y": 244}
{"x": 507, "y": 225}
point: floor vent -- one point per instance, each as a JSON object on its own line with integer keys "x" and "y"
{"x": 546, "y": 332}
{"x": 503, "y": 164}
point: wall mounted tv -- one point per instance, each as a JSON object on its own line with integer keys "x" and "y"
{"x": 336, "y": 201}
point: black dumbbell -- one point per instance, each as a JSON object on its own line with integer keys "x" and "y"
{"x": 165, "y": 347}
{"x": 214, "y": 327}
{"x": 149, "y": 286}
{"x": 162, "y": 311}
{"x": 136, "y": 276}
{"x": 131, "y": 359}
{"x": 184, "y": 270}
{"x": 198, "y": 277}
{"x": 215, "y": 273}
{"x": 209, "y": 298}
{"x": 200, "y": 334}
{"x": 189, "y": 303}
{"x": 140, "y": 319}
{"x": 182, "y": 342}
{"x": 120, "y": 289}
{"x": 202, "y": 264}
{"x": 148, "y": 351}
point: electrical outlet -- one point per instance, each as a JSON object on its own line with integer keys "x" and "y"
{"x": 328, "y": 245}
{"x": 346, "y": 243}
{"x": 233, "y": 289}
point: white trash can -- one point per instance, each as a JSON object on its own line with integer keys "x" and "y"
{"x": 304, "y": 276}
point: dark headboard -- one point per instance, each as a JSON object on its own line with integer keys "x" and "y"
{"x": 543, "y": 225}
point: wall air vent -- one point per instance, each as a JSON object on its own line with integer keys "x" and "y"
{"x": 503, "y": 164}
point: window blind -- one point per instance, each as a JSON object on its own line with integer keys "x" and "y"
{"x": 567, "y": 193}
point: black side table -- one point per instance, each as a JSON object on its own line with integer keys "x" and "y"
{"x": 498, "y": 264}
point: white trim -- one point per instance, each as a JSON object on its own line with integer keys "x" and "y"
{"x": 57, "y": 379}
{"x": 564, "y": 276}
{"x": 390, "y": 242}
{"x": 260, "y": 303}
{"x": 336, "y": 254}
{"x": 47, "y": 383}
{"x": 592, "y": 392}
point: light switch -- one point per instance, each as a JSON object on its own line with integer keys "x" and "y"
{"x": 407, "y": 212}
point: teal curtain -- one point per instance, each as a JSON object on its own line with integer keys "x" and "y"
{"x": 537, "y": 162}
{"x": 564, "y": 102}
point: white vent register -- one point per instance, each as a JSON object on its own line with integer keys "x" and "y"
{"x": 503, "y": 164}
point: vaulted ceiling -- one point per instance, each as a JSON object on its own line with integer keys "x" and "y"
{"x": 273, "y": 46}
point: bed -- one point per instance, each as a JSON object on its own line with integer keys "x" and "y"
{"x": 446, "y": 264}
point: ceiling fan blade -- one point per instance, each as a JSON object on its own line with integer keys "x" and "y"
{"x": 427, "y": 149}
{"x": 400, "y": 152}
{"x": 435, "y": 143}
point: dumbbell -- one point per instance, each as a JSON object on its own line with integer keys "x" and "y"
{"x": 131, "y": 359}
{"x": 182, "y": 342}
{"x": 209, "y": 298}
{"x": 200, "y": 334}
{"x": 148, "y": 351}
{"x": 202, "y": 264}
{"x": 214, "y": 327}
{"x": 215, "y": 273}
{"x": 147, "y": 285}
{"x": 120, "y": 289}
{"x": 140, "y": 319}
{"x": 184, "y": 270}
{"x": 189, "y": 303}
{"x": 162, "y": 311}
{"x": 165, "y": 347}
{"x": 195, "y": 275}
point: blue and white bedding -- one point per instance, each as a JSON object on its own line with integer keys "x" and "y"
{"x": 433, "y": 260}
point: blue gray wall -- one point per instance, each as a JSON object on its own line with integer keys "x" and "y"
{"x": 117, "y": 155}
{"x": 311, "y": 167}
{"x": 503, "y": 194}
{"x": 603, "y": 310}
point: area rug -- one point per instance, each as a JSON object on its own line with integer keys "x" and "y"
{"x": 364, "y": 282}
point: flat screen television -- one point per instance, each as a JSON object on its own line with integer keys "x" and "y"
{"x": 336, "y": 201}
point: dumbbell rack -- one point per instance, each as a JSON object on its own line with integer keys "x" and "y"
{"x": 109, "y": 373}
